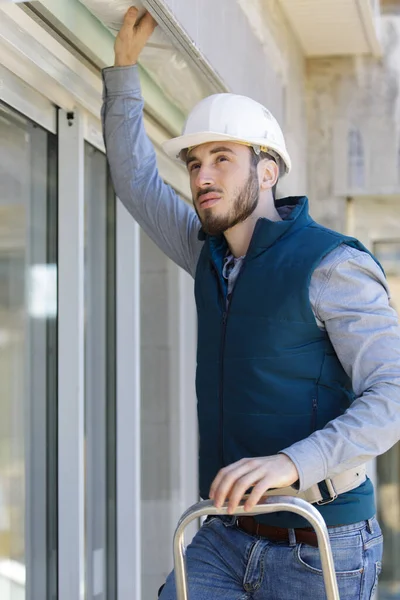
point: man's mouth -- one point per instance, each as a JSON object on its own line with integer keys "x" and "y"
{"x": 209, "y": 199}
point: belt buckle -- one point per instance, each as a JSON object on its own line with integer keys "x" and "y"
{"x": 332, "y": 493}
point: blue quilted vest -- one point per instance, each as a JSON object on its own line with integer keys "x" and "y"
{"x": 267, "y": 376}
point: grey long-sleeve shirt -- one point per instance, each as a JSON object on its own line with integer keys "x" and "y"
{"x": 348, "y": 293}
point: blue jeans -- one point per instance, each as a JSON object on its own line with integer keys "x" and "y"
{"x": 225, "y": 563}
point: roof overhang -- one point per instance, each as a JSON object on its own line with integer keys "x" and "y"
{"x": 335, "y": 27}
{"x": 171, "y": 57}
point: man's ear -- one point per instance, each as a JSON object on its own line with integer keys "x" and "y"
{"x": 268, "y": 174}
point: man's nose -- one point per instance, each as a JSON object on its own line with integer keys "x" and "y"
{"x": 204, "y": 177}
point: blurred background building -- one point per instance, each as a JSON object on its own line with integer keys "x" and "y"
{"x": 98, "y": 439}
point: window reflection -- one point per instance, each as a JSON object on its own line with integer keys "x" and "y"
{"x": 42, "y": 300}
{"x": 28, "y": 167}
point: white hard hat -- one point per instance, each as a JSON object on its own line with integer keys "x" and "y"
{"x": 234, "y": 118}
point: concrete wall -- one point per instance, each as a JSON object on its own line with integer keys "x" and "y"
{"x": 376, "y": 219}
{"x": 362, "y": 94}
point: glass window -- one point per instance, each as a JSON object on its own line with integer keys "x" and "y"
{"x": 99, "y": 378}
{"x": 356, "y": 160}
{"x": 28, "y": 359}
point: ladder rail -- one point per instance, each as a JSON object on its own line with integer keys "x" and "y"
{"x": 270, "y": 505}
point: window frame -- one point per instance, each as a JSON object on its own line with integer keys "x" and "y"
{"x": 45, "y": 77}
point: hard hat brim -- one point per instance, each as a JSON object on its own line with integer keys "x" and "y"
{"x": 174, "y": 147}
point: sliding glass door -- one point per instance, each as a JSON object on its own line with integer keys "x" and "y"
{"x": 28, "y": 358}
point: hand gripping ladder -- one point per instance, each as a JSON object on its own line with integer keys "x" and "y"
{"x": 272, "y": 504}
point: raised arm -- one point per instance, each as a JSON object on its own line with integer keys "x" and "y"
{"x": 170, "y": 222}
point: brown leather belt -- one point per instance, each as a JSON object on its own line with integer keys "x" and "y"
{"x": 276, "y": 534}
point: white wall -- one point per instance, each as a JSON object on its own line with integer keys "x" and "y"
{"x": 159, "y": 416}
{"x": 168, "y": 410}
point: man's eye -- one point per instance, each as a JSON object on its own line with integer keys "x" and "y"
{"x": 193, "y": 166}
{"x": 222, "y": 158}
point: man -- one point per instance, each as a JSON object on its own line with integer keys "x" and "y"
{"x": 298, "y": 349}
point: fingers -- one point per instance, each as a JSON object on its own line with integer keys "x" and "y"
{"x": 263, "y": 473}
{"x": 257, "y": 493}
{"x": 147, "y": 24}
{"x": 132, "y": 37}
{"x": 222, "y": 474}
{"x": 144, "y": 26}
{"x": 239, "y": 489}
{"x": 131, "y": 16}
{"x": 233, "y": 481}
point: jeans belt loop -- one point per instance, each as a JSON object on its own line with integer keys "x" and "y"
{"x": 370, "y": 526}
{"x": 332, "y": 493}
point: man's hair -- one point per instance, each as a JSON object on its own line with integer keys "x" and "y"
{"x": 256, "y": 158}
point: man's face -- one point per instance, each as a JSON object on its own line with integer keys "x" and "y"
{"x": 224, "y": 184}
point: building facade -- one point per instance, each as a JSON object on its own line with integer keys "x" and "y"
{"x": 98, "y": 434}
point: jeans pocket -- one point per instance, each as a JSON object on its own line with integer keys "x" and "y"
{"x": 348, "y": 560}
{"x": 378, "y": 569}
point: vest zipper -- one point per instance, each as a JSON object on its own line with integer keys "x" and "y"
{"x": 221, "y": 365}
{"x": 225, "y": 315}
{"x": 314, "y": 415}
{"x": 221, "y": 389}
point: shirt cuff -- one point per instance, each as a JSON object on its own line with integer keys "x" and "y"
{"x": 309, "y": 463}
{"x": 120, "y": 80}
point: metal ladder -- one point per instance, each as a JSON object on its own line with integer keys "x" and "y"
{"x": 272, "y": 504}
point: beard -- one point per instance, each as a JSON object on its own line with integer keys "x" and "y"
{"x": 242, "y": 206}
